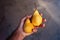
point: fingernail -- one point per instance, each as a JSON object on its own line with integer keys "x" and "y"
{"x": 41, "y": 14}
{"x": 44, "y": 20}
{"x": 34, "y": 30}
{"x": 42, "y": 25}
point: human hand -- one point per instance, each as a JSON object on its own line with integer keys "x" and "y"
{"x": 19, "y": 34}
{"x": 34, "y": 30}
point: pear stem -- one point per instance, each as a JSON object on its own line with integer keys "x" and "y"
{"x": 35, "y": 4}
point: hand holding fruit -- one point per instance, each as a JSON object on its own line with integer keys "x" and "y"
{"x": 28, "y": 26}
{"x": 33, "y": 22}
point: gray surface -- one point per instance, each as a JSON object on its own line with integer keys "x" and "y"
{"x": 14, "y": 10}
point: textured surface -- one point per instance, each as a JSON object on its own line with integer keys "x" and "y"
{"x": 11, "y": 12}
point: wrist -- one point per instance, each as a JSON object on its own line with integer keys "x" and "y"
{"x": 21, "y": 36}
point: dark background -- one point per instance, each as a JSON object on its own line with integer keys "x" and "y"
{"x": 11, "y": 12}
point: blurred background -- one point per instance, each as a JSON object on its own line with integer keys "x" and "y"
{"x": 12, "y": 11}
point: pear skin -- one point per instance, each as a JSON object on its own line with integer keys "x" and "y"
{"x": 36, "y": 18}
{"x": 28, "y": 26}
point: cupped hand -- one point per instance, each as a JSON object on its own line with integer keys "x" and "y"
{"x": 34, "y": 30}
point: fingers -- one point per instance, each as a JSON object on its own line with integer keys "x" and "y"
{"x": 35, "y": 29}
{"x": 42, "y": 25}
{"x": 29, "y": 16}
{"x": 44, "y": 20}
{"x": 41, "y": 14}
{"x": 22, "y": 21}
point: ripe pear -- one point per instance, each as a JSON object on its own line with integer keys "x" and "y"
{"x": 28, "y": 26}
{"x": 36, "y": 18}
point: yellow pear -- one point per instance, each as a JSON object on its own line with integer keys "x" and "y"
{"x": 28, "y": 26}
{"x": 36, "y": 18}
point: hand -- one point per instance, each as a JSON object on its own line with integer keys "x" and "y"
{"x": 19, "y": 34}
{"x": 43, "y": 20}
{"x": 34, "y": 30}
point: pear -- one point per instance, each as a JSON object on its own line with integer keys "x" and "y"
{"x": 28, "y": 26}
{"x": 36, "y": 18}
